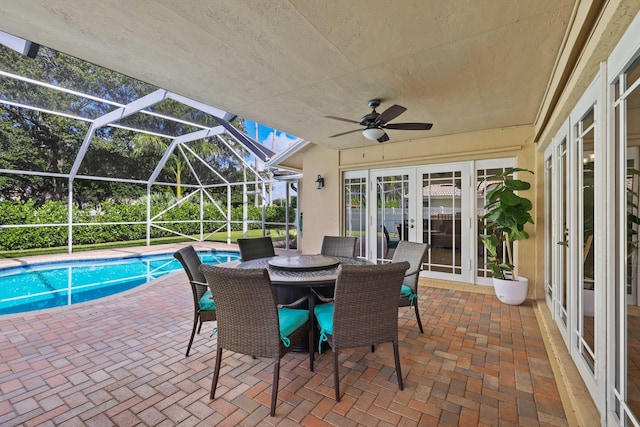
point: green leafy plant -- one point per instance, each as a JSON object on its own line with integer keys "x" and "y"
{"x": 505, "y": 216}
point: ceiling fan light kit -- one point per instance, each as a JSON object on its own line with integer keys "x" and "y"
{"x": 373, "y": 133}
{"x": 375, "y": 123}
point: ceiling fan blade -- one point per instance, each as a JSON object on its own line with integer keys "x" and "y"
{"x": 390, "y": 113}
{"x": 383, "y": 138}
{"x": 409, "y": 126}
{"x": 341, "y": 119}
{"x": 345, "y": 133}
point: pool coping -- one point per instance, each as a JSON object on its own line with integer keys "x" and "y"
{"x": 115, "y": 253}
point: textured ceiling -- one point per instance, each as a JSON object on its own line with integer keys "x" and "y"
{"x": 463, "y": 65}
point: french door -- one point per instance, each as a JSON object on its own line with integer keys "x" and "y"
{"x": 441, "y": 205}
{"x": 557, "y": 197}
{"x": 574, "y": 291}
{"x": 624, "y": 336}
{"x": 426, "y": 204}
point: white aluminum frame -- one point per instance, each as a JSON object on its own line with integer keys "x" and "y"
{"x": 139, "y": 106}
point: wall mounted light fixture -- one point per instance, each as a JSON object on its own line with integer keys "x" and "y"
{"x": 319, "y": 182}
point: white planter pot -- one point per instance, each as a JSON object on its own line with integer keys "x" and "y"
{"x": 513, "y": 292}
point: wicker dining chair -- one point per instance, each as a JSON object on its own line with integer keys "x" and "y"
{"x": 414, "y": 254}
{"x": 391, "y": 244}
{"x": 364, "y": 311}
{"x": 249, "y": 322}
{"x": 343, "y": 246}
{"x": 204, "y": 307}
{"x": 253, "y": 248}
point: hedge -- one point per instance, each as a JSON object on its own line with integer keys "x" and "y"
{"x": 55, "y": 212}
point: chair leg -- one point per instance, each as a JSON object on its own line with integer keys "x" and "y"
{"x": 312, "y": 328}
{"x": 415, "y": 306}
{"x": 200, "y": 327}
{"x": 274, "y": 391}
{"x": 336, "y": 376}
{"x": 193, "y": 332}
{"x": 312, "y": 347}
{"x": 216, "y": 373}
{"x": 396, "y": 355}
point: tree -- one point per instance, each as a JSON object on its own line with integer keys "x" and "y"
{"x": 37, "y": 141}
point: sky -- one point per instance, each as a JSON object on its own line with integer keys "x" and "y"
{"x": 266, "y": 137}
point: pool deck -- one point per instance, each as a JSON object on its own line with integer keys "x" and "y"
{"x": 120, "y": 361}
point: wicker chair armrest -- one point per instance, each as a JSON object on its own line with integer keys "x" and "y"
{"x": 201, "y": 286}
{"x": 411, "y": 273}
{"x": 321, "y": 297}
{"x": 295, "y": 303}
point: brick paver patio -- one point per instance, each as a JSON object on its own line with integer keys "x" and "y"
{"x": 120, "y": 361}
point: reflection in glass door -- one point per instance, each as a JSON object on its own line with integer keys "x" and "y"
{"x": 355, "y": 209}
{"x": 393, "y": 221}
{"x": 584, "y": 131}
{"x": 444, "y": 209}
{"x": 445, "y": 201}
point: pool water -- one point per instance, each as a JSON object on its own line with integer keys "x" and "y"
{"x": 55, "y": 284}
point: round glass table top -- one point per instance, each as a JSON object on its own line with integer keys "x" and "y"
{"x": 304, "y": 262}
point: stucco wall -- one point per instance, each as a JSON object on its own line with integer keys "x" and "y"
{"x": 486, "y": 144}
{"x": 320, "y": 208}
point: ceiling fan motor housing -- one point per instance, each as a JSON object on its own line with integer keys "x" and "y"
{"x": 369, "y": 119}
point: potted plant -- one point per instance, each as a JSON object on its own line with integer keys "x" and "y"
{"x": 506, "y": 214}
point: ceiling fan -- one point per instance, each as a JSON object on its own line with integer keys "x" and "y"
{"x": 375, "y": 123}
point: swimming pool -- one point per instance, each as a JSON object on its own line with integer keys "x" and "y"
{"x": 54, "y": 284}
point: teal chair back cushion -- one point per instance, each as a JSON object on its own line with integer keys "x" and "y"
{"x": 290, "y": 319}
{"x": 205, "y": 302}
{"x": 324, "y": 317}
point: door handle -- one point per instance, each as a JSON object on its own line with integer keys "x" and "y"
{"x": 564, "y": 243}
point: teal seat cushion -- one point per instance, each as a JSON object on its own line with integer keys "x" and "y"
{"x": 205, "y": 302}
{"x": 324, "y": 317}
{"x": 406, "y": 292}
{"x": 290, "y": 320}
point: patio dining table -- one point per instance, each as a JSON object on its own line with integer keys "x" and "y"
{"x": 294, "y": 276}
